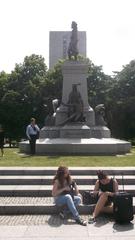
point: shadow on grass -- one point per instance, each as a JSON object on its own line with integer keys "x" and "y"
{"x": 53, "y": 156}
{"x": 27, "y": 156}
{"x": 48, "y": 157}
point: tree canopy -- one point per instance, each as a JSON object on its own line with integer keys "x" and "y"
{"x": 29, "y": 89}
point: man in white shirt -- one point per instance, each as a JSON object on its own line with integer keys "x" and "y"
{"x": 32, "y": 131}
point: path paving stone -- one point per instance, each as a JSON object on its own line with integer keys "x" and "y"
{"x": 52, "y": 220}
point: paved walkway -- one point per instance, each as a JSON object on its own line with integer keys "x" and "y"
{"x": 39, "y": 227}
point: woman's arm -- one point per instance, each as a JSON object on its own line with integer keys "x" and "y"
{"x": 116, "y": 187}
{"x": 96, "y": 188}
{"x": 76, "y": 189}
{"x": 57, "y": 191}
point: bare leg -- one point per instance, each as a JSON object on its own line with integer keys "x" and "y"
{"x": 100, "y": 205}
{"x": 108, "y": 209}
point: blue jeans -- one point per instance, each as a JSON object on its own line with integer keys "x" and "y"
{"x": 71, "y": 204}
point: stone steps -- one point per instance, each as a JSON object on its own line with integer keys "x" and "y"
{"x": 46, "y": 190}
{"x": 39, "y": 207}
{"x": 47, "y": 180}
{"x": 73, "y": 170}
{"x": 47, "y": 171}
{"x": 36, "y": 205}
{"x": 42, "y": 206}
{"x": 28, "y": 190}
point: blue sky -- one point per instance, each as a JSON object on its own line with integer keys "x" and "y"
{"x": 110, "y": 27}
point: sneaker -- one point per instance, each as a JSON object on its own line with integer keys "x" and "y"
{"x": 91, "y": 220}
{"x": 81, "y": 221}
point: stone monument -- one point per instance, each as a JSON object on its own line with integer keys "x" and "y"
{"x": 75, "y": 128}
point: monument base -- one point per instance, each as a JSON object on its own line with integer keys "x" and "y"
{"x": 78, "y": 146}
{"x": 75, "y": 130}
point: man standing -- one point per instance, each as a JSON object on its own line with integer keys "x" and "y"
{"x": 32, "y": 132}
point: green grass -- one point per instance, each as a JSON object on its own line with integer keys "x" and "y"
{"x": 12, "y": 157}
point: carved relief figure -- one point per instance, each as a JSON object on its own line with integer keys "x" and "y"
{"x": 75, "y": 106}
{"x": 50, "y": 118}
{"x": 100, "y": 114}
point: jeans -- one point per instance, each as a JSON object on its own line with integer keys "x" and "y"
{"x": 71, "y": 204}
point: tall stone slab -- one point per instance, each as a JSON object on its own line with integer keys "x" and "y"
{"x": 75, "y": 72}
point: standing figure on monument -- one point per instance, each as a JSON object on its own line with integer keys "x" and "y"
{"x": 73, "y": 48}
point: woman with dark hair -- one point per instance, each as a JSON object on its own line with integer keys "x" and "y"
{"x": 63, "y": 194}
{"x": 105, "y": 188}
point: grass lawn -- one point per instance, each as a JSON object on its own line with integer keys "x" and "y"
{"x": 12, "y": 157}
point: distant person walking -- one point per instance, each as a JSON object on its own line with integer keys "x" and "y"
{"x": 32, "y": 132}
{"x": 2, "y": 136}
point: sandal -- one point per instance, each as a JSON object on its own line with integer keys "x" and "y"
{"x": 91, "y": 220}
{"x": 81, "y": 221}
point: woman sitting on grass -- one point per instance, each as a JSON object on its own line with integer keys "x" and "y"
{"x": 62, "y": 185}
{"x": 105, "y": 188}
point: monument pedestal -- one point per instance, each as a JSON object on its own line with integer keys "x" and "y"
{"x": 75, "y": 130}
{"x": 78, "y": 146}
{"x": 75, "y": 73}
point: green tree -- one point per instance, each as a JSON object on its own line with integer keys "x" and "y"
{"x": 53, "y": 85}
{"x": 23, "y": 98}
{"x": 98, "y": 85}
{"x": 3, "y": 83}
{"x": 121, "y": 103}
{"x": 3, "y": 89}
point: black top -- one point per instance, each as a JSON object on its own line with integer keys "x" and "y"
{"x": 106, "y": 187}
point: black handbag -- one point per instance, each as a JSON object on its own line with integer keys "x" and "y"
{"x": 89, "y": 198}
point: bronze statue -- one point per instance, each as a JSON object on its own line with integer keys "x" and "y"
{"x": 73, "y": 49}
